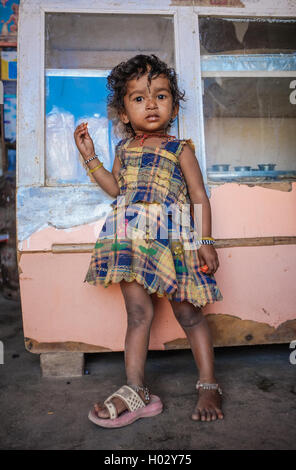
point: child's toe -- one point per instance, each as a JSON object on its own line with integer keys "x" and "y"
{"x": 195, "y": 416}
{"x": 101, "y": 411}
{"x": 219, "y": 413}
{"x": 213, "y": 415}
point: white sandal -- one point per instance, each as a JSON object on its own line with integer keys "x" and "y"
{"x": 137, "y": 408}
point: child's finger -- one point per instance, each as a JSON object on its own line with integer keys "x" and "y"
{"x": 86, "y": 135}
{"x": 81, "y": 126}
{"x": 212, "y": 268}
{"x": 81, "y": 132}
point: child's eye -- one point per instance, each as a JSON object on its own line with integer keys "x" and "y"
{"x": 138, "y": 99}
{"x": 161, "y": 97}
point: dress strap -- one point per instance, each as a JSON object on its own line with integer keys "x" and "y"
{"x": 122, "y": 143}
{"x": 126, "y": 142}
{"x": 120, "y": 146}
{"x": 182, "y": 145}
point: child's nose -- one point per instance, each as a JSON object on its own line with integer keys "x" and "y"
{"x": 151, "y": 103}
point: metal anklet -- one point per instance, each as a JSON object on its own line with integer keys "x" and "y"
{"x": 208, "y": 386}
{"x": 143, "y": 389}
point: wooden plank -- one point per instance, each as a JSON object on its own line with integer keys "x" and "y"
{"x": 72, "y": 248}
{"x": 256, "y": 241}
{"x": 220, "y": 243}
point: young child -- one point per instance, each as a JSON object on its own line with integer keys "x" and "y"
{"x": 152, "y": 170}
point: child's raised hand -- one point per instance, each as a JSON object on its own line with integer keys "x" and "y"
{"x": 84, "y": 141}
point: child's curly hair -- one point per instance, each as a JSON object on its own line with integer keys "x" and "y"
{"x": 136, "y": 67}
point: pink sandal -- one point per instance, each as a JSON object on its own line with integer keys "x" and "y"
{"x": 137, "y": 408}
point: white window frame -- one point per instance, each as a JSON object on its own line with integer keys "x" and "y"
{"x": 31, "y": 79}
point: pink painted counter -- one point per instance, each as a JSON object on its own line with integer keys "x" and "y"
{"x": 60, "y": 312}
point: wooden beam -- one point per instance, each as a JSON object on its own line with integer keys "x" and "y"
{"x": 220, "y": 243}
{"x": 255, "y": 241}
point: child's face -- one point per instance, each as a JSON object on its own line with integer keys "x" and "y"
{"x": 148, "y": 108}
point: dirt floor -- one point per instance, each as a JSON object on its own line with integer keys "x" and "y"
{"x": 44, "y": 413}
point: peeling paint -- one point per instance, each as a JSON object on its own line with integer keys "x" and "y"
{"x": 60, "y": 207}
{"x": 277, "y": 186}
{"x": 287, "y": 186}
{"x": 35, "y": 347}
{"x": 209, "y": 3}
{"x": 228, "y": 330}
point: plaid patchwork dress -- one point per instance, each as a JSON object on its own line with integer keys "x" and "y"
{"x": 145, "y": 238}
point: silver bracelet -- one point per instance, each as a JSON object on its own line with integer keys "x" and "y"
{"x": 90, "y": 159}
{"x": 206, "y": 242}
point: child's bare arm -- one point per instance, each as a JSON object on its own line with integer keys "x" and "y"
{"x": 116, "y": 168}
{"x": 194, "y": 180}
{"x": 103, "y": 177}
{"x": 106, "y": 180}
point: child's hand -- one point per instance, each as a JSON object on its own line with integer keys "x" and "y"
{"x": 84, "y": 141}
{"x": 208, "y": 255}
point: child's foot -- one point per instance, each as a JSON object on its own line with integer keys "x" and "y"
{"x": 102, "y": 411}
{"x": 208, "y": 407}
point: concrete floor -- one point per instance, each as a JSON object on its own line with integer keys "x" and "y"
{"x": 45, "y": 413}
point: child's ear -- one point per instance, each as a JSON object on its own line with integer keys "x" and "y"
{"x": 175, "y": 111}
{"x": 123, "y": 117}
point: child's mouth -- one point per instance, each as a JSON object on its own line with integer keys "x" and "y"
{"x": 152, "y": 117}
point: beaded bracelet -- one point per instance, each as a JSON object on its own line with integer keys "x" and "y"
{"x": 96, "y": 167}
{"x": 206, "y": 241}
{"x": 90, "y": 159}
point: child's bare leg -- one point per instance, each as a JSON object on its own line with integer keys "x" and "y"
{"x": 139, "y": 307}
{"x": 198, "y": 333}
